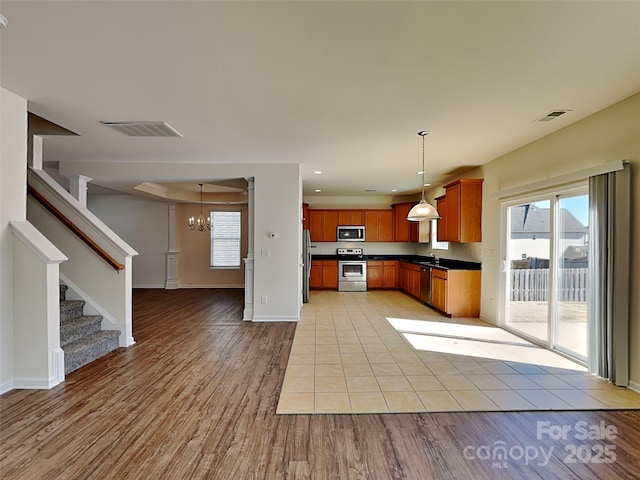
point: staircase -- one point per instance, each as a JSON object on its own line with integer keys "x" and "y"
{"x": 81, "y": 336}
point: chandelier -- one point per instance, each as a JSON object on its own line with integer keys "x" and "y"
{"x": 202, "y": 223}
{"x": 423, "y": 210}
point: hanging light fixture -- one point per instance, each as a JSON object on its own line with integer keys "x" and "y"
{"x": 201, "y": 223}
{"x": 423, "y": 210}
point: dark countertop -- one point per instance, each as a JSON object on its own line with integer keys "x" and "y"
{"x": 443, "y": 263}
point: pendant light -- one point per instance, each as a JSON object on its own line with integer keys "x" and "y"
{"x": 423, "y": 210}
{"x": 202, "y": 223}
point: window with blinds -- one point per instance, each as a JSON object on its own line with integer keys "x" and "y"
{"x": 225, "y": 239}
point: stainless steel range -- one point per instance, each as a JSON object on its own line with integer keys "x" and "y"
{"x": 352, "y": 270}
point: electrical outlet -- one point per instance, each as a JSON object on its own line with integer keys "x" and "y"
{"x": 263, "y": 299}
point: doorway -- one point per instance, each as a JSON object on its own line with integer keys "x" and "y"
{"x": 546, "y": 269}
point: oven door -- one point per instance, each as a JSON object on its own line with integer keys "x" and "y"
{"x": 352, "y": 276}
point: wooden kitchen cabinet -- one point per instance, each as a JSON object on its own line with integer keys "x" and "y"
{"x": 456, "y": 292}
{"x": 330, "y": 274}
{"x": 374, "y": 274}
{"x": 410, "y": 278}
{"x": 378, "y": 225}
{"x": 315, "y": 276}
{"x": 323, "y": 225}
{"x": 390, "y": 274}
{"x": 439, "y": 289}
{"x": 305, "y": 216}
{"x": 404, "y": 230}
{"x": 350, "y": 217}
{"x": 441, "y": 206}
{"x": 382, "y": 274}
{"x": 324, "y": 274}
{"x": 461, "y": 211}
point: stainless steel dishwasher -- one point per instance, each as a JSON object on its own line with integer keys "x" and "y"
{"x": 425, "y": 285}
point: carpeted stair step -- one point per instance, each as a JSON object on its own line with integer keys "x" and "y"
{"x": 71, "y": 309}
{"x": 73, "y": 329}
{"x": 89, "y": 348}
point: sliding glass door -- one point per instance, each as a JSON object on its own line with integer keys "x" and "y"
{"x": 572, "y": 267}
{"x": 546, "y": 270}
{"x": 528, "y": 274}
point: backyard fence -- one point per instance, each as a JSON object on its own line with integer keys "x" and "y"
{"x": 532, "y": 285}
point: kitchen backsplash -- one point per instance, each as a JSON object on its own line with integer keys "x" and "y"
{"x": 469, "y": 252}
{"x": 369, "y": 248}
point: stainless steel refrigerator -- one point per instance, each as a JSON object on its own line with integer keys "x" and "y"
{"x": 306, "y": 264}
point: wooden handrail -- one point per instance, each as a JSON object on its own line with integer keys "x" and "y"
{"x": 75, "y": 229}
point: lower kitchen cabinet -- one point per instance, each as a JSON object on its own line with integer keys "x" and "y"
{"x": 439, "y": 289}
{"x": 324, "y": 274}
{"x": 382, "y": 274}
{"x": 390, "y": 274}
{"x": 330, "y": 274}
{"x": 456, "y": 292}
{"x": 410, "y": 278}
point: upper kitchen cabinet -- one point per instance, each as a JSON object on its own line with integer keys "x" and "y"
{"x": 460, "y": 210}
{"x": 404, "y": 230}
{"x": 350, "y": 217}
{"x": 378, "y": 225}
{"x": 323, "y": 225}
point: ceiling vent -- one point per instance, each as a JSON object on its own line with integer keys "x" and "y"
{"x": 143, "y": 129}
{"x": 552, "y": 115}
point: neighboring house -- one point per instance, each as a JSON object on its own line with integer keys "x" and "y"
{"x": 529, "y": 243}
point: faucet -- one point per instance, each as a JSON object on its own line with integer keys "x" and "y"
{"x": 435, "y": 258}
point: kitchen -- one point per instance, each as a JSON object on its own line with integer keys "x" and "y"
{"x": 436, "y": 262}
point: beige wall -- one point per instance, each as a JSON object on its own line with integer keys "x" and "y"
{"x": 194, "y": 247}
{"x": 13, "y": 206}
{"x": 610, "y": 135}
{"x": 143, "y": 224}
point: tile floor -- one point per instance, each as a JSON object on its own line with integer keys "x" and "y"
{"x": 383, "y": 352}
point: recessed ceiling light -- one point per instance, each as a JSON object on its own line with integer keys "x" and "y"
{"x": 317, "y": 190}
{"x": 3, "y": 21}
{"x": 420, "y": 172}
{"x": 427, "y": 184}
{"x": 317, "y": 172}
{"x": 394, "y": 189}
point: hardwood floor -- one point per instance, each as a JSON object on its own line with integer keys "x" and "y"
{"x": 196, "y": 398}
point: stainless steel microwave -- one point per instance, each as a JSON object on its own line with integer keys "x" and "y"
{"x": 350, "y": 233}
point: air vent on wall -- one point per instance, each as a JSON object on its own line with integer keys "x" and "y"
{"x": 143, "y": 129}
{"x": 553, "y": 114}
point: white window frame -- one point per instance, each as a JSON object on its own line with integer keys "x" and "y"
{"x": 232, "y": 242}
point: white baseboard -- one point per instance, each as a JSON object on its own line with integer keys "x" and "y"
{"x": 35, "y": 383}
{"x": 149, "y": 285}
{"x": 635, "y": 386}
{"x": 6, "y": 387}
{"x": 275, "y": 318}
{"x": 239, "y": 285}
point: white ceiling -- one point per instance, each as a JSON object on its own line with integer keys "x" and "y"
{"x": 341, "y": 87}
